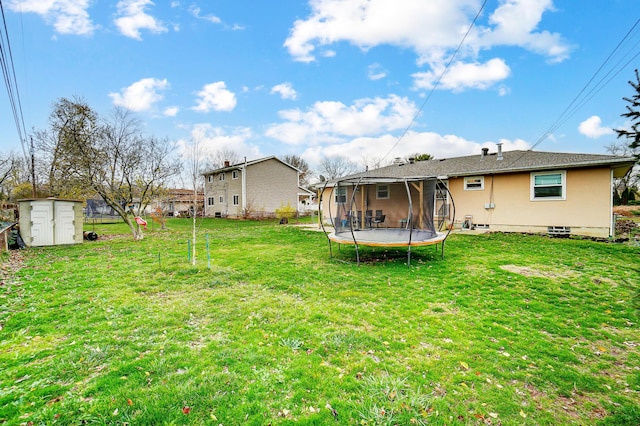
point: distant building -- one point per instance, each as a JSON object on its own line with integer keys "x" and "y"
{"x": 251, "y": 189}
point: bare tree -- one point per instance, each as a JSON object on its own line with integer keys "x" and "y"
{"x": 193, "y": 160}
{"x": 7, "y": 165}
{"x": 217, "y": 159}
{"x": 373, "y": 162}
{"x": 627, "y": 185}
{"x": 111, "y": 158}
{"x": 335, "y": 167}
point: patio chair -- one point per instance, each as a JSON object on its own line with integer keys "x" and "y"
{"x": 379, "y": 218}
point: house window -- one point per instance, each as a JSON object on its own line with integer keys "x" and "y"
{"x": 341, "y": 195}
{"x": 221, "y": 199}
{"x": 221, "y": 176}
{"x": 234, "y": 174}
{"x": 210, "y": 178}
{"x": 474, "y": 183}
{"x": 548, "y": 186}
{"x": 382, "y": 191}
{"x": 210, "y": 201}
{"x": 236, "y": 200}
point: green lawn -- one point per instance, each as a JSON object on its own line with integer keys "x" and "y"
{"x": 507, "y": 329}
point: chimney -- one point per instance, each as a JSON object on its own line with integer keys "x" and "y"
{"x": 500, "y": 157}
{"x": 485, "y": 152}
{"x": 226, "y": 163}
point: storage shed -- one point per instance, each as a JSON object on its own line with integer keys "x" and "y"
{"x": 50, "y": 221}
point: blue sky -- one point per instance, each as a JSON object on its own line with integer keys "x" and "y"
{"x": 321, "y": 78}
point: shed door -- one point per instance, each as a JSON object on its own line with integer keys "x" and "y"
{"x": 41, "y": 224}
{"x": 65, "y": 223}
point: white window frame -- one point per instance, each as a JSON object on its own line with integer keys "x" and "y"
{"x": 236, "y": 200}
{"x": 210, "y": 178}
{"x": 211, "y": 201}
{"x": 563, "y": 184}
{"x": 474, "y": 183}
{"x": 388, "y": 191}
{"x": 234, "y": 174}
{"x": 221, "y": 176}
{"x": 221, "y": 199}
{"x": 340, "y": 195}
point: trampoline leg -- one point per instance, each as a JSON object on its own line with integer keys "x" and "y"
{"x": 409, "y": 256}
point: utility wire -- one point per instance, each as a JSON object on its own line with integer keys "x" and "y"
{"x": 579, "y": 100}
{"x": 437, "y": 82}
{"x": 9, "y": 74}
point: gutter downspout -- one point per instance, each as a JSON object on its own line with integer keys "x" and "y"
{"x": 244, "y": 187}
{"x": 612, "y": 224}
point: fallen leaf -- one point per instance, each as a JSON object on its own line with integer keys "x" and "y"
{"x": 115, "y": 412}
{"x": 493, "y": 415}
{"x": 129, "y": 401}
{"x": 186, "y": 409}
{"x": 464, "y": 365}
{"x": 523, "y": 414}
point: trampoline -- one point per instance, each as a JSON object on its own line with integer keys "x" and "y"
{"x": 409, "y": 212}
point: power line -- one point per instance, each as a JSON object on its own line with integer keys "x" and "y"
{"x": 579, "y": 100}
{"x": 437, "y": 82}
{"x": 9, "y": 74}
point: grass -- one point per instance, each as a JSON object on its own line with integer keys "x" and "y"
{"x": 507, "y": 329}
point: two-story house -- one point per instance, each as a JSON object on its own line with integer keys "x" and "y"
{"x": 251, "y": 188}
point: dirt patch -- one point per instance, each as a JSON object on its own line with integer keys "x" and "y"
{"x": 625, "y": 210}
{"x": 11, "y": 266}
{"x": 528, "y": 271}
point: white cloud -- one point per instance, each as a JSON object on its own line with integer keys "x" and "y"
{"x": 461, "y": 76}
{"x": 376, "y": 72}
{"x": 141, "y": 95}
{"x": 195, "y": 11}
{"x": 285, "y": 90}
{"x": 66, "y": 16}
{"x": 213, "y": 139}
{"x": 171, "y": 111}
{"x": 592, "y": 128}
{"x": 404, "y": 23}
{"x": 132, "y": 18}
{"x": 215, "y": 96}
{"x": 330, "y": 121}
{"x": 362, "y": 149}
{"x": 515, "y": 24}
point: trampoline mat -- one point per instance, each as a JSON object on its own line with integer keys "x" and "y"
{"x": 388, "y": 237}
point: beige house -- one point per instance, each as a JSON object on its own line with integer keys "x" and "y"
{"x": 177, "y": 202}
{"x": 251, "y": 188}
{"x": 515, "y": 191}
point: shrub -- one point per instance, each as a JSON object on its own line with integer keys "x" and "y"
{"x": 285, "y": 212}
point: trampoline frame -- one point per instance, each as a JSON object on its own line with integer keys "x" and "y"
{"x": 409, "y": 229}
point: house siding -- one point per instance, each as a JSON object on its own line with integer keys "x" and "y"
{"x": 586, "y": 208}
{"x": 270, "y": 185}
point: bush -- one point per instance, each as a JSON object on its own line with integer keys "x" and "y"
{"x": 285, "y": 212}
